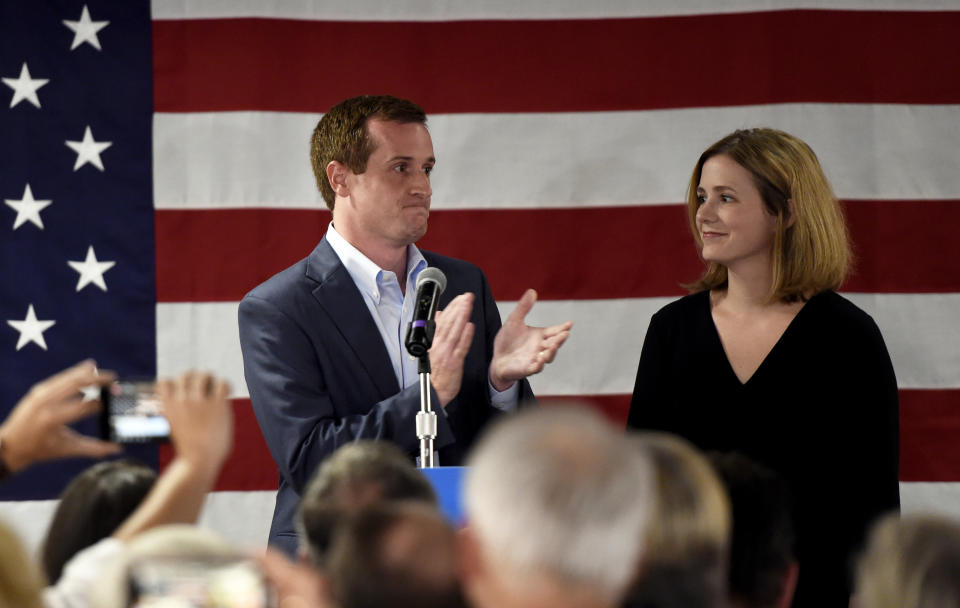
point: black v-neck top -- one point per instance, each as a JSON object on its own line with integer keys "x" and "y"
{"x": 821, "y": 409}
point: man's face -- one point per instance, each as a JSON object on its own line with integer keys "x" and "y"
{"x": 390, "y": 201}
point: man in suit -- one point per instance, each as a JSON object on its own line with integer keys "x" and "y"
{"x": 322, "y": 340}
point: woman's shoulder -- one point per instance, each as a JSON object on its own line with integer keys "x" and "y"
{"x": 833, "y": 305}
{"x": 684, "y": 308}
{"x": 834, "y": 313}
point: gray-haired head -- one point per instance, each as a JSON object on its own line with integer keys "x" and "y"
{"x": 559, "y": 494}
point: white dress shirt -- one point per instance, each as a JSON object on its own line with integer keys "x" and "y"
{"x": 392, "y": 310}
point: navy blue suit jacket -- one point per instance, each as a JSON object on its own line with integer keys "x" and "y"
{"x": 319, "y": 374}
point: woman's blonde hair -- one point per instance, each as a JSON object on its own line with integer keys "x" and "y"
{"x": 692, "y": 512}
{"x": 20, "y": 580}
{"x": 912, "y": 562}
{"x": 687, "y": 541}
{"x": 811, "y": 248}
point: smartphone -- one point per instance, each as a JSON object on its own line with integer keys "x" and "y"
{"x": 216, "y": 582}
{"x": 132, "y": 412}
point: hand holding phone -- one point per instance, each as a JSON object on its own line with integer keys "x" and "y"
{"x": 132, "y": 412}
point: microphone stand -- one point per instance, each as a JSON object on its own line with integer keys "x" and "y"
{"x": 430, "y": 284}
{"x": 426, "y": 417}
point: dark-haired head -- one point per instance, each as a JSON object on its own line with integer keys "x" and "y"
{"x": 762, "y": 565}
{"x": 92, "y": 507}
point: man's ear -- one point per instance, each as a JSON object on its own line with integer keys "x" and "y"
{"x": 337, "y": 176}
{"x": 469, "y": 557}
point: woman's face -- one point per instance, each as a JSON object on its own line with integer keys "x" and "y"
{"x": 732, "y": 219}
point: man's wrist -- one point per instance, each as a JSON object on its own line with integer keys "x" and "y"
{"x": 498, "y": 384}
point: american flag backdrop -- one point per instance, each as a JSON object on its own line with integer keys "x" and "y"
{"x": 154, "y": 168}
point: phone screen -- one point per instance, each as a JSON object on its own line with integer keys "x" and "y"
{"x": 132, "y": 412}
{"x": 226, "y": 582}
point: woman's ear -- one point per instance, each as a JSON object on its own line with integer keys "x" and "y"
{"x": 791, "y": 218}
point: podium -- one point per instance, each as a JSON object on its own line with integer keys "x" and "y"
{"x": 447, "y": 482}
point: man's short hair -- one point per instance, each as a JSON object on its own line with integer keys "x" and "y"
{"x": 559, "y": 494}
{"x": 399, "y": 554}
{"x": 356, "y": 475}
{"x": 761, "y": 547}
{"x": 342, "y": 135}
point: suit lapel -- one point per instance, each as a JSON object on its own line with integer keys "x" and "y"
{"x": 339, "y": 297}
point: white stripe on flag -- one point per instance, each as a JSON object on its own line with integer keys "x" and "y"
{"x": 921, "y": 332}
{"x": 443, "y": 10}
{"x": 260, "y": 159}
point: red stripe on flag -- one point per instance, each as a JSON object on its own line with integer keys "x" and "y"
{"x": 565, "y": 253}
{"x": 903, "y": 246}
{"x": 587, "y": 253}
{"x": 564, "y": 65}
{"x": 250, "y": 465}
{"x": 929, "y": 427}
{"x": 613, "y": 407}
{"x": 219, "y": 255}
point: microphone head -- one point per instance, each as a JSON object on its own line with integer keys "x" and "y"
{"x": 432, "y": 275}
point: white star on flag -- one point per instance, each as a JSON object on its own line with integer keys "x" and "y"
{"x": 88, "y": 150}
{"x": 25, "y": 87}
{"x": 85, "y": 30}
{"x": 31, "y": 330}
{"x": 91, "y": 270}
{"x": 28, "y": 209}
{"x": 90, "y": 393}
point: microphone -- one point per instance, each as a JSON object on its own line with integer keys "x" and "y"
{"x": 430, "y": 284}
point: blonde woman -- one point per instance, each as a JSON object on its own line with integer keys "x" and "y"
{"x": 20, "y": 579}
{"x": 765, "y": 358}
{"x": 687, "y": 541}
{"x": 910, "y": 563}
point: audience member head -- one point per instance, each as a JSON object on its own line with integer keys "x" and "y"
{"x": 341, "y": 135}
{"x": 913, "y": 562}
{"x": 356, "y": 475}
{"x": 400, "y": 554}
{"x": 763, "y": 571}
{"x": 685, "y": 563}
{"x": 20, "y": 580}
{"x": 557, "y": 502}
{"x": 182, "y": 543}
{"x": 91, "y": 508}
{"x": 811, "y": 248}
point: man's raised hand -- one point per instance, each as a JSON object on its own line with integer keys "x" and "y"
{"x": 451, "y": 342}
{"x": 520, "y": 350}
